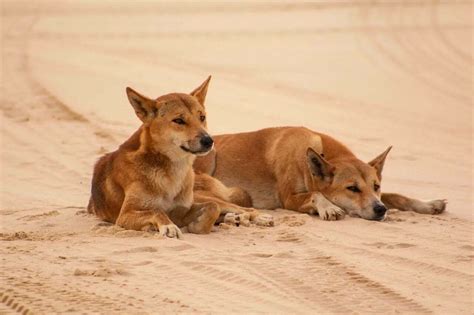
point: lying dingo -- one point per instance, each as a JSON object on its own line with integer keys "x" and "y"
{"x": 299, "y": 169}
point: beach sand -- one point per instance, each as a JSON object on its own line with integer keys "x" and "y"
{"x": 371, "y": 74}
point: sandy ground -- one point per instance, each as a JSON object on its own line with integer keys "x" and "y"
{"x": 372, "y": 74}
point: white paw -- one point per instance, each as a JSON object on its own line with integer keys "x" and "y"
{"x": 331, "y": 213}
{"x": 237, "y": 219}
{"x": 326, "y": 209}
{"x": 437, "y": 206}
{"x": 264, "y": 220}
{"x": 171, "y": 231}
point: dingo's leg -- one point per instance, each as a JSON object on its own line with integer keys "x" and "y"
{"x": 136, "y": 214}
{"x": 199, "y": 219}
{"x": 396, "y": 201}
{"x": 312, "y": 203}
{"x": 234, "y": 214}
{"x": 208, "y": 185}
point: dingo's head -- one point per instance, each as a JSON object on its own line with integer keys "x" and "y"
{"x": 175, "y": 123}
{"x": 350, "y": 183}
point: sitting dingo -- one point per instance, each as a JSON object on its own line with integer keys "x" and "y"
{"x": 147, "y": 183}
{"x": 298, "y": 169}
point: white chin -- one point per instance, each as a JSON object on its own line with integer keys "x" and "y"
{"x": 202, "y": 153}
{"x": 205, "y": 153}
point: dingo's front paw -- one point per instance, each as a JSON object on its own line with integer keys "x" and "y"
{"x": 264, "y": 220}
{"x": 237, "y": 219}
{"x": 327, "y": 210}
{"x": 170, "y": 230}
{"x": 331, "y": 213}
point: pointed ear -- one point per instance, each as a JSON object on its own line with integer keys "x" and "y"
{"x": 318, "y": 166}
{"x": 201, "y": 91}
{"x": 379, "y": 161}
{"x": 145, "y": 108}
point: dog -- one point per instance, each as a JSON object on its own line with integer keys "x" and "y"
{"x": 302, "y": 170}
{"x": 147, "y": 183}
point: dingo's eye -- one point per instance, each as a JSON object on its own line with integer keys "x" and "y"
{"x": 179, "y": 121}
{"x": 354, "y": 189}
{"x": 202, "y": 118}
{"x": 376, "y": 187}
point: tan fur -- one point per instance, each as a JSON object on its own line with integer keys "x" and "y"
{"x": 396, "y": 201}
{"x": 147, "y": 183}
{"x": 299, "y": 169}
{"x": 231, "y": 200}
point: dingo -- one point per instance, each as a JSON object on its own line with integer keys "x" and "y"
{"x": 298, "y": 169}
{"x": 147, "y": 183}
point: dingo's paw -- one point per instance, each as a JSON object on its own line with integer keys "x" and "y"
{"x": 436, "y": 206}
{"x": 331, "y": 213}
{"x": 170, "y": 230}
{"x": 237, "y": 219}
{"x": 327, "y": 210}
{"x": 264, "y": 220}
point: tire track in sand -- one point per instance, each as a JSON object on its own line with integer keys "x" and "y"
{"x": 398, "y": 59}
{"x": 237, "y": 292}
{"x": 38, "y": 116}
{"x": 28, "y": 294}
{"x": 336, "y": 287}
{"x": 412, "y": 275}
{"x": 23, "y": 97}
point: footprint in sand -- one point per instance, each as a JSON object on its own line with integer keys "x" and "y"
{"x": 181, "y": 248}
{"x": 467, "y": 247}
{"x": 293, "y": 220}
{"x": 261, "y": 255}
{"x": 288, "y": 237}
{"x": 389, "y": 246}
{"x": 108, "y": 229}
{"x": 467, "y": 258}
{"x": 14, "y": 236}
{"x": 145, "y": 249}
{"x": 103, "y": 272}
{"x": 39, "y": 216}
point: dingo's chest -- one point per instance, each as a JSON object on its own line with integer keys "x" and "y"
{"x": 173, "y": 187}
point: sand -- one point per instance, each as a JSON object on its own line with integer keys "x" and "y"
{"x": 371, "y": 74}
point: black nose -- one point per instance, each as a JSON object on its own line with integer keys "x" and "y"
{"x": 206, "y": 141}
{"x": 380, "y": 209}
